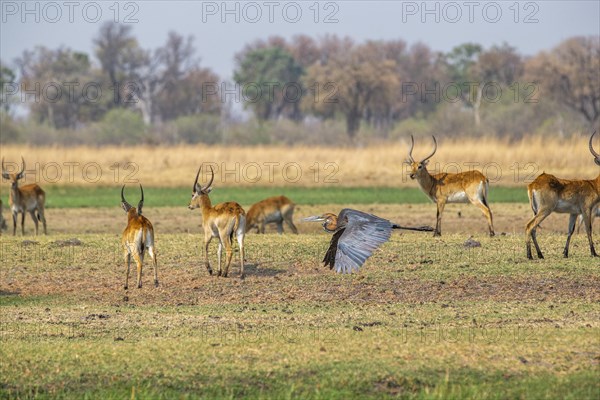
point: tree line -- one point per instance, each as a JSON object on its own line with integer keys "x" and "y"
{"x": 123, "y": 93}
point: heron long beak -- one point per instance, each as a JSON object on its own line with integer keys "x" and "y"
{"x": 314, "y": 218}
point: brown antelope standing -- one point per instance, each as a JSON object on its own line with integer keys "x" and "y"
{"x": 27, "y": 198}
{"x": 275, "y": 210}
{"x": 138, "y": 236}
{"x": 221, "y": 221}
{"x": 443, "y": 188}
{"x": 548, "y": 194}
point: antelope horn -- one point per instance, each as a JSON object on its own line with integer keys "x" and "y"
{"x": 23, "y": 166}
{"x": 196, "y": 181}
{"x": 434, "y": 150}
{"x": 123, "y": 201}
{"x": 594, "y": 153}
{"x": 412, "y": 145}
{"x": 212, "y": 177}
{"x": 141, "y": 203}
{"x": 3, "y": 170}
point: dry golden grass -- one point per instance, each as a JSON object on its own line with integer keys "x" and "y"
{"x": 506, "y": 164}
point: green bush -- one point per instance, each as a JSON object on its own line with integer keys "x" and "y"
{"x": 411, "y": 126}
{"x": 120, "y": 126}
{"x": 198, "y": 129}
{"x": 9, "y": 130}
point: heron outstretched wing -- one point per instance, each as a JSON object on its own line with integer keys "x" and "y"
{"x": 362, "y": 233}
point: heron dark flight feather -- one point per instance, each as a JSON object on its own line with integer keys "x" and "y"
{"x": 355, "y": 236}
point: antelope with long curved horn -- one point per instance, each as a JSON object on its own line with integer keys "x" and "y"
{"x": 27, "y": 198}
{"x": 222, "y": 221}
{"x": 138, "y": 236}
{"x": 548, "y": 194}
{"x": 443, "y": 188}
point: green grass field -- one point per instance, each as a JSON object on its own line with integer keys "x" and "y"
{"x": 424, "y": 318}
{"x": 103, "y": 196}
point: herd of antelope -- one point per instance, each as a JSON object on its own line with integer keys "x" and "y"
{"x": 547, "y": 194}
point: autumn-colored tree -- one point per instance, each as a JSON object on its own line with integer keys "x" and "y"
{"x": 182, "y": 82}
{"x": 422, "y": 73}
{"x": 351, "y": 80}
{"x": 64, "y": 89}
{"x": 304, "y": 49}
{"x": 121, "y": 58}
{"x": 570, "y": 75}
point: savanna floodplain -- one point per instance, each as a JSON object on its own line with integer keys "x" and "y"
{"x": 425, "y": 318}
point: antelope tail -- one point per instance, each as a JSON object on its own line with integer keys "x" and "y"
{"x": 236, "y": 225}
{"x": 534, "y": 204}
{"x": 142, "y": 246}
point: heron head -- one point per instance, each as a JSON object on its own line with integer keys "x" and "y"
{"x": 329, "y": 221}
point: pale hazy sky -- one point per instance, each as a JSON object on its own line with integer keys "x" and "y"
{"x": 222, "y": 28}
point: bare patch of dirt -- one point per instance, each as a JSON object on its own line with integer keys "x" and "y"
{"x": 193, "y": 285}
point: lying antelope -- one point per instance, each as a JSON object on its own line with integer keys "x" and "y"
{"x": 221, "y": 221}
{"x": 274, "y": 210}
{"x": 548, "y": 194}
{"x": 443, "y": 188}
{"x": 137, "y": 237}
{"x": 27, "y": 198}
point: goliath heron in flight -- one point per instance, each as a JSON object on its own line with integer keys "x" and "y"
{"x": 355, "y": 236}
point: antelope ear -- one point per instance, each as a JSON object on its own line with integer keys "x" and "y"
{"x": 20, "y": 175}
{"x": 208, "y": 190}
{"x": 425, "y": 163}
{"x": 5, "y": 175}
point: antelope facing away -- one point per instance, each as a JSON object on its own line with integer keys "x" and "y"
{"x": 137, "y": 237}
{"x": 27, "y": 198}
{"x": 222, "y": 221}
{"x": 275, "y": 210}
{"x": 548, "y": 194}
{"x": 443, "y": 188}
{"x": 355, "y": 236}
